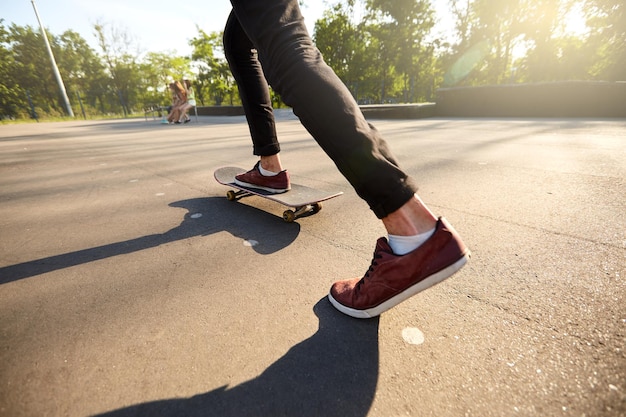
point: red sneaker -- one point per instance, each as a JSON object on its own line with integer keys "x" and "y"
{"x": 392, "y": 279}
{"x": 254, "y": 179}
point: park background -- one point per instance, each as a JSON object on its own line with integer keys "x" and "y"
{"x": 403, "y": 51}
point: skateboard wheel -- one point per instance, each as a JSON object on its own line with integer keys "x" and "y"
{"x": 316, "y": 207}
{"x": 289, "y": 216}
{"x": 231, "y": 196}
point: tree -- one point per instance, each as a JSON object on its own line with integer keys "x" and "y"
{"x": 545, "y": 54}
{"x": 80, "y": 67}
{"x": 157, "y": 70}
{"x": 381, "y": 49}
{"x": 121, "y": 63}
{"x": 607, "y": 22}
{"x": 10, "y": 100}
{"x": 215, "y": 82}
{"x": 32, "y": 70}
{"x": 343, "y": 44}
{"x": 526, "y": 40}
{"x": 497, "y": 22}
{"x": 337, "y": 38}
{"x": 404, "y": 26}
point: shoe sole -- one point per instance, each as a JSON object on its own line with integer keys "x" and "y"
{"x": 258, "y": 187}
{"x": 404, "y": 295}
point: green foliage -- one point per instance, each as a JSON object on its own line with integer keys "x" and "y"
{"x": 529, "y": 43}
{"x": 391, "y": 55}
{"x": 157, "y": 70}
{"x": 9, "y": 96}
{"x": 383, "y": 50}
{"x": 385, "y": 56}
{"x": 214, "y": 84}
{"x": 607, "y": 22}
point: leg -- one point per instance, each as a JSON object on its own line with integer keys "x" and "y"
{"x": 175, "y": 114}
{"x": 255, "y": 96}
{"x": 254, "y": 92}
{"x": 183, "y": 111}
{"x": 410, "y": 219}
{"x": 296, "y": 70}
{"x": 172, "y": 116}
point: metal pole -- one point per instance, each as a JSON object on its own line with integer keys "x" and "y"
{"x": 57, "y": 74}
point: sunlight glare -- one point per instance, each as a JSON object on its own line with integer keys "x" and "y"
{"x": 575, "y": 22}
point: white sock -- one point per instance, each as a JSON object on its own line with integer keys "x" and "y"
{"x": 267, "y": 173}
{"x": 401, "y": 245}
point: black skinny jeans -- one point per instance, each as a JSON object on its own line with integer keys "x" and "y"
{"x": 287, "y": 58}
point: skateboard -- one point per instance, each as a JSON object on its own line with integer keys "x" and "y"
{"x": 301, "y": 200}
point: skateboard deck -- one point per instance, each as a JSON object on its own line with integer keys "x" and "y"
{"x": 301, "y": 200}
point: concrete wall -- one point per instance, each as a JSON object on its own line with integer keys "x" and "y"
{"x": 399, "y": 111}
{"x": 558, "y": 99}
{"x": 221, "y": 111}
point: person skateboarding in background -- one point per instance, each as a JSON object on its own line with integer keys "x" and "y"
{"x": 266, "y": 41}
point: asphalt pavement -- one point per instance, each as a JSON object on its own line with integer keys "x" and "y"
{"x": 130, "y": 285}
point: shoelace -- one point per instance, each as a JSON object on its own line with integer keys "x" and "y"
{"x": 371, "y": 269}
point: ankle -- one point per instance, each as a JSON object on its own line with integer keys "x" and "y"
{"x": 271, "y": 163}
{"x": 411, "y": 219}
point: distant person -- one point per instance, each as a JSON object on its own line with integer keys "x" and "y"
{"x": 267, "y": 40}
{"x": 179, "y": 98}
{"x": 189, "y": 103}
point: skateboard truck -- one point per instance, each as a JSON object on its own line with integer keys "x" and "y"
{"x": 288, "y": 215}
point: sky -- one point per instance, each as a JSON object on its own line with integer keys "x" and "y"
{"x": 155, "y": 25}
{"x": 167, "y": 26}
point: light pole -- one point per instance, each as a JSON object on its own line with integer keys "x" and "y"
{"x": 57, "y": 74}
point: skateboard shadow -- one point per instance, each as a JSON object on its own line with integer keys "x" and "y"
{"x": 334, "y": 373}
{"x": 217, "y": 215}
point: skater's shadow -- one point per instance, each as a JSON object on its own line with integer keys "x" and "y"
{"x": 204, "y": 216}
{"x": 332, "y": 374}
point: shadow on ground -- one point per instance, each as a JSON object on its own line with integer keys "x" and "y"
{"x": 204, "y": 216}
{"x": 334, "y": 373}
